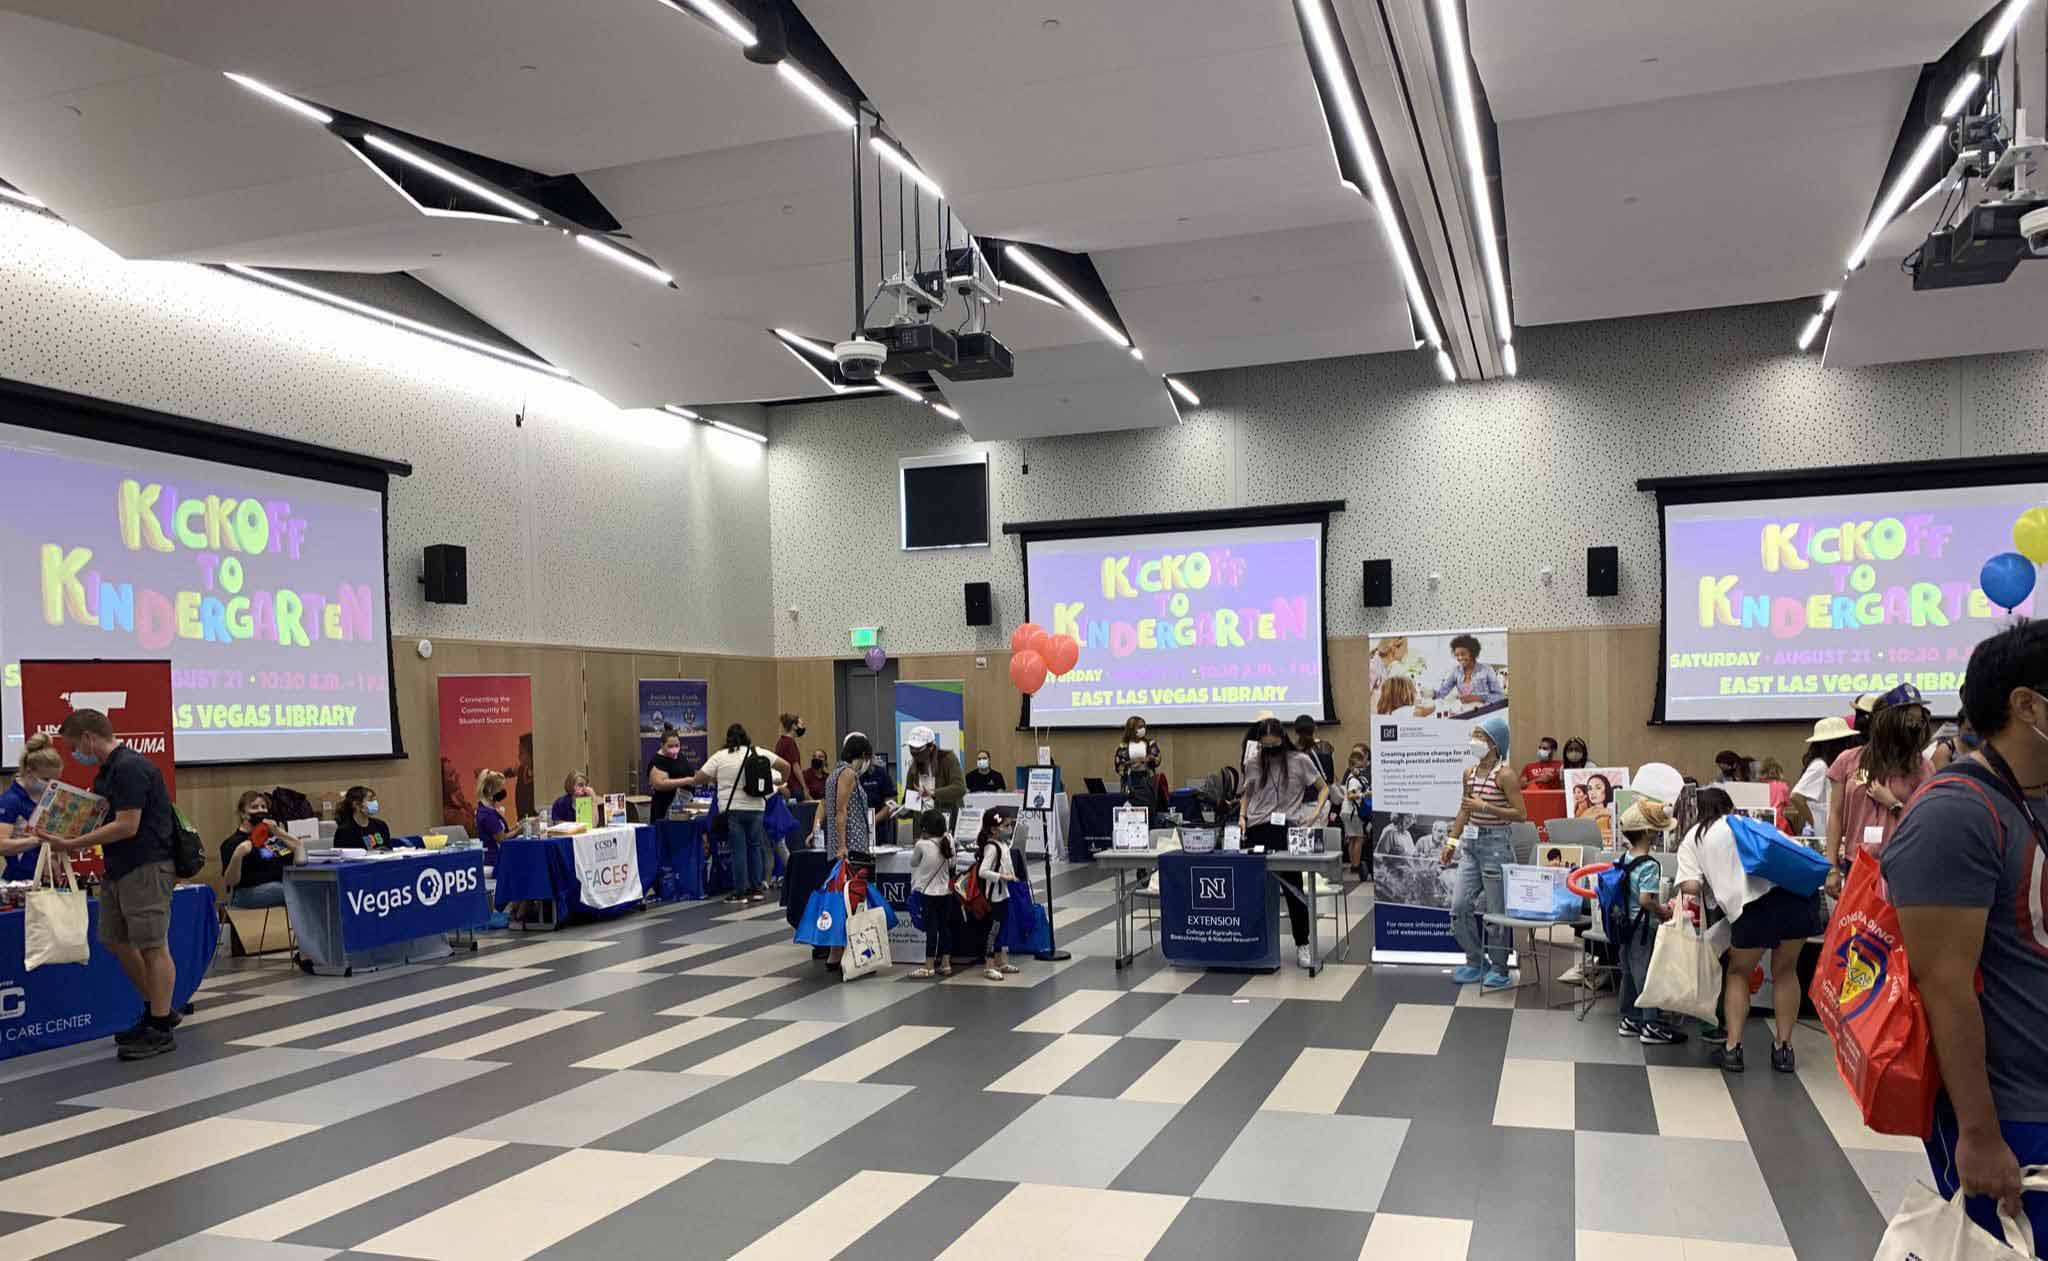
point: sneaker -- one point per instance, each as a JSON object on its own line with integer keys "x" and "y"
{"x": 1571, "y": 976}
{"x": 1726, "y": 1058}
{"x": 1301, "y": 956}
{"x": 732, "y": 898}
{"x": 151, "y": 1043}
{"x": 757, "y": 897}
{"x": 1628, "y": 1028}
{"x": 1781, "y": 1057}
{"x": 133, "y": 1033}
{"x": 1713, "y": 1033}
{"x": 1467, "y": 975}
{"x": 1658, "y": 1035}
{"x": 1496, "y": 980}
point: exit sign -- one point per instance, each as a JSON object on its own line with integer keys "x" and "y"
{"x": 866, "y": 636}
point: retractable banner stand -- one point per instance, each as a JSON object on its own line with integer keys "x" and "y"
{"x": 1428, "y": 691}
{"x": 134, "y": 695}
{"x": 684, "y": 704}
{"x": 940, "y": 704}
{"x": 486, "y": 724}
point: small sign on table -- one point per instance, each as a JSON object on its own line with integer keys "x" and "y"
{"x": 1132, "y": 829}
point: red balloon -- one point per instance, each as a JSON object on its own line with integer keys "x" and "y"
{"x": 1061, "y": 653}
{"x": 1026, "y": 636}
{"x": 1027, "y": 671}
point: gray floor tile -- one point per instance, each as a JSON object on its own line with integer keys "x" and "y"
{"x": 1614, "y": 1097}
{"x": 1888, "y": 1174}
{"x": 1067, "y": 1141}
{"x": 180, "y": 1086}
{"x": 1226, "y": 1230}
{"x": 930, "y": 1223}
{"x": 218, "y": 1248}
{"x": 847, "y": 1002}
{"x": 586, "y": 1113}
{"x": 1557, "y": 1035}
{"x": 1207, "y": 1017}
{"x": 585, "y": 991}
{"x": 1704, "y": 1188}
{"x": 730, "y": 934}
{"x": 367, "y": 1091}
{"x": 707, "y": 1215}
{"x": 1352, "y": 1158}
{"x": 787, "y": 1122}
{"x": 1111, "y": 1073}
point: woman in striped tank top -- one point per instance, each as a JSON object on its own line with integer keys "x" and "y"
{"x": 1493, "y": 799}
{"x": 848, "y": 825}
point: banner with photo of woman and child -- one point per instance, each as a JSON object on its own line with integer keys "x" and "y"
{"x": 1426, "y": 693}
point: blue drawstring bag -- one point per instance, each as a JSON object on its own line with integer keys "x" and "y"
{"x": 824, "y": 918}
{"x": 779, "y": 819}
{"x": 1771, "y": 855}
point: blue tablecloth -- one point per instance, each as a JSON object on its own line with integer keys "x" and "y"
{"x": 1091, "y": 824}
{"x": 543, "y": 869}
{"x": 1219, "y": 909}
{"x": 61, "y": 1004}
{"x": 679, "y": 846}
{"x": 376, "y": 912}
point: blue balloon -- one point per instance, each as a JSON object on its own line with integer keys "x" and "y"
{"x": 2007, "y": 579}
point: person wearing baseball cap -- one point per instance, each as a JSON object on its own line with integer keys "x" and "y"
{"x": 1873, "y": 783}
{"x": 1830, "y": 739}
{"x": 933, "y": 772}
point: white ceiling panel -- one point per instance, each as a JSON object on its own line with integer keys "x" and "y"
{"x": 1698, "y": 202}
{"x": 1540, "y": 57}
{"x": 1073, "y": 389}
{"x": 38, "y": 58}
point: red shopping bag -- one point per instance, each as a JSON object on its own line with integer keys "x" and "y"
{"x": 1863, "y": 990}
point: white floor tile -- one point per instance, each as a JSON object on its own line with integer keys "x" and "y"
{"x": 878, "y": 1053}
{"x": 1539, "y": 1094}
{"x": 1317, "y": 1081}
{"x": 829, "y": 1225}
{"x": 1047, "y": 1070}
{"x": 294, "y": 1213}
{"x": 1393, "y": 1237}
{"x": 1413, "y": 1029}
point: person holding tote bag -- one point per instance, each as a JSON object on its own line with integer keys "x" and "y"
{"x": 54, "y": 918}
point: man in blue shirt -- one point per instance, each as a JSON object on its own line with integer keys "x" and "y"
{"x": 1471, "y": 680}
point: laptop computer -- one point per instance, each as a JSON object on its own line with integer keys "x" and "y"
{"x": 1094, "y": 784}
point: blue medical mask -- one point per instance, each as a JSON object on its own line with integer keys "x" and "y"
{"x": 33, "y": 787}
{"x": 370, "y": 806}
{"x": 85, "y": 759}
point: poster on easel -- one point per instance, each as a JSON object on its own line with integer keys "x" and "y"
{"x": 486, "y": 724}
{"x": 1427, "y": 693}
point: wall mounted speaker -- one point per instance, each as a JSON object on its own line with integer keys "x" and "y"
{"x": 1603, "y": 571}
{"x": 447, "y": 575}
{"x": 1379, "y": 584}
{"x": 981, "y": 609}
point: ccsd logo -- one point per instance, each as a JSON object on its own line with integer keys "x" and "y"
{"x": 1866, "y": 961}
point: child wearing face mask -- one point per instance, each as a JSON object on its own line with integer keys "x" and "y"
{"x": 40, "y": 763}
{"x": 984, "y": 778}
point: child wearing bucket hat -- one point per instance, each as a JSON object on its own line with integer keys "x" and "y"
{"x": 1643, "y": 825}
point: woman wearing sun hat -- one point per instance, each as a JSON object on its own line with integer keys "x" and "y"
{"x": 1831, "y": 738}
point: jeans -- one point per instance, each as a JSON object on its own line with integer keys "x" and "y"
{"x": 258, "y": 897}
{"x": 937, "y": 910}
{"x": 1634, "y": 969}
{"x": 1481, "y": 890}
{"x": 747, "y": 838}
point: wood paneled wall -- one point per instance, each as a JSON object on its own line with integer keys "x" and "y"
{"x": 1596, "y": 682}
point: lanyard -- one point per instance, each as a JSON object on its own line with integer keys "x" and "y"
{"x": 2009, "y": 783}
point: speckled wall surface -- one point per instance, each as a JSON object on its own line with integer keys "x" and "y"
{"x": 585, "y": 524}
{"x": 1483, "y": 483}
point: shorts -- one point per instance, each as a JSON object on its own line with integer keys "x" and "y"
{"x": 1777, "y": 916}
{"x": 135, "y": 908}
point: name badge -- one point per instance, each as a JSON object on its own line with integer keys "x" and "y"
{"x": 1873, "y": 837}
{"x": 1278, "y": 818}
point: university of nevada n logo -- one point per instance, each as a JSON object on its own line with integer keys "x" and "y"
{"x": 1215, "y": 889}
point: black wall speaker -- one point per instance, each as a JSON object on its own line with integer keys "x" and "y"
{"x": 1379, "y": 584}
{"x": 447, "y": 576}
{"x": 1603, "y": 571}
{"x": 981, "y": 609}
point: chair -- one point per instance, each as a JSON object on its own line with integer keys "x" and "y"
{"x": 241, "y": 921}
{"x": 452, "y": 831}
{"x": 1583, "y": 832}
{"x": 1522, "y": 837}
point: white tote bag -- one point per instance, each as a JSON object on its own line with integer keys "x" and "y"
{"x": 1685, "y": 972}
{"x": 1929, "y": 1228}
{"x": 867, "y": 942}
{"x": 56, "y": 920}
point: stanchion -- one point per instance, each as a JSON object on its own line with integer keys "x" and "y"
{"x": 1052, "y": 952}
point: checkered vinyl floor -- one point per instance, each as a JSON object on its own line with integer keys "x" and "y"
{"x": 686, "y": 1084}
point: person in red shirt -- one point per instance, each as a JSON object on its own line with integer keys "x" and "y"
{"x": 1546, "y": 771}
{"x": 787, "y": 749}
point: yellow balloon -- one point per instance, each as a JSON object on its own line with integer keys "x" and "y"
{"x": 2030, "y": 535}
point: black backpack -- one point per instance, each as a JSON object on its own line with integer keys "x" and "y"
{"x": 188, "y": 852}
{"x": 757, "y": 775}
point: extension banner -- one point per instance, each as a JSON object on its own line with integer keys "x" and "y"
{"x": 1424, "y": 702}
{"x": 940, "y": 704}
{"x": 684, "y": 704}
{"x": 486, "y": 723}
{"x": 1218, "y": 910}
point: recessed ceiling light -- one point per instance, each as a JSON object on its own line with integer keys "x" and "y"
{"x": 1137, "y": 354}
{"x": 1050, "y": 24}
{"x": 1651, "y": 61}
{"x": 1073, "y": 302}
{"x": 1630, "y": 200}
{"x": 719, "y": 16}
{"x": 529, "y": 67}
{"x": 625, "y": 258}
{"x": 815, "y": 92}
{"x": 264, "y": 90}
{"x": 449, "y": 175}
{"x": 1011, "y": 286}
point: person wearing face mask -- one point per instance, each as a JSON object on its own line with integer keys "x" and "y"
{"x": 1278, "y": 780}
{"x": 1546, "y": 771}
{"x": 356, "y": 823}
{"x": 849, "y": 825}
{"x": 1576, "y": 754}
{"x": 252, "y": 861}
{"x": 1137, "y": 772}
{"x": 576, "y": 786}
{"x": 1965, "y": 872}
{"x": 1492, "y": 800}
{"x": 1870, "y": 786}
{"x": 491, "y": 826}
{"x": 40, "y": 763}
{"x": 933, "y": 772}
{"x": 787, "y": 748}
{"x": 985, "y": 778}
{"x": 669, "y": 772}
{"x": 1831, "y": 738}
{"x": 814, "y": 774}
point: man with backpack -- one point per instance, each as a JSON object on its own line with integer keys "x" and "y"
{"x": 1967, "y": 870}
{"x": 1631, "y": 907}
{"x": 745, "y": 777}
{"x": 139, "y": 840}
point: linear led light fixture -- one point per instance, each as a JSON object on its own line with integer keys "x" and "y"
{"x": 901, "y": 161}
{"x": 16, "y": 195}
{"x": 624, "y": 257}
{"x": 1011, "y": 286}
{"x": 1183, "y": 391}
{"x": 1137, "y": 354}
{"x": 719, "y": 16}
{"x": 1507, "y": 358}
{"x": 1812, "y": 330}
{"x": 1323, "y": 47}
{"x": 388, "y": 317}
{"x": 680, "y": 412}
{"x": 1828, "y": 300}
{"x": 805, "y": 349}
{"x": 894, "y": 386}
{"x": 449, "y": 175}
{"x": 1960, "y": 94}
{"x": 2002, "y": 30}
{"x": 738, "y": 431}
{"x": 1896, "y": 194}
{"x": 946, "y": 411}
{"x": 286, "y": 99}
{"x": 1444, "y": 366}
{"x": 832, "y": 106}
{"x": 1466, "y": 106}
{"x": 1067, "y": 297}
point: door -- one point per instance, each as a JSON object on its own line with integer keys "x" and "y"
{"x": 864, "y": 700}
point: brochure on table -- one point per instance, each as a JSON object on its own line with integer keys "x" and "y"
{"x": 1132, "y": 828}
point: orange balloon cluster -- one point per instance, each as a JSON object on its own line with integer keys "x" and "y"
{"x": 1036, "y": 655}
